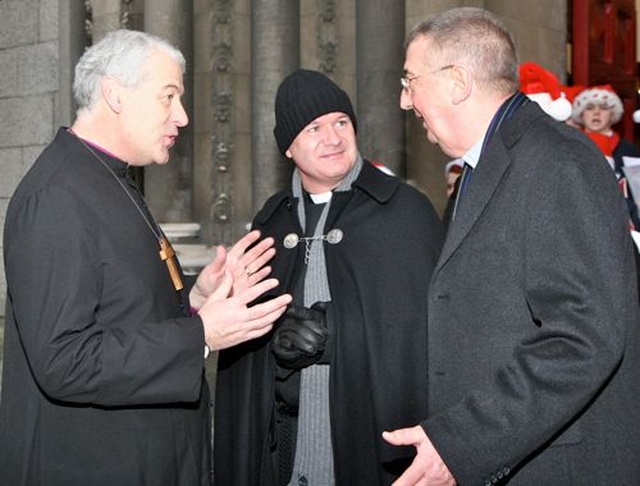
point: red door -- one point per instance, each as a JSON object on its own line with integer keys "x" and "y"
{"x": 604, "y": 51}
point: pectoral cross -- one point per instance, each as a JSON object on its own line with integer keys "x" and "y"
{"x": 168, "y": 256}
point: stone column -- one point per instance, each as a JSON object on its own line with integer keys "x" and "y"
{"x": 379, "y": 58}
{"x": 106, "y": 17}
{"x": 275, "y": 52}
{"x": 71, "y": 43}
{"x": 169, "y": 188}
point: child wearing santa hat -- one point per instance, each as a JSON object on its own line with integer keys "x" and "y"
{"x": 595, "y": 111}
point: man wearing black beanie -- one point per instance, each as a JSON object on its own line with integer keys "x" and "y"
{"x": 307, "y": 403}
{"x": 302, "y": 97}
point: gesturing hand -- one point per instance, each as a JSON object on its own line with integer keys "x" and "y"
{"x": 249, "y": 266}
{"x": 228, "y": 320}
{"x": 246, "y": 267}
{"x": 427, "y": 468}
{"x": 209, "y": 279}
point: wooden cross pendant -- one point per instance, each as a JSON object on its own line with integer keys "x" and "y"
{"x": 168, "y": 256}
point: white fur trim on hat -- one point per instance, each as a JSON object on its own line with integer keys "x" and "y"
{"x": 597, "y": 95}
{"x": 560, "y": 108}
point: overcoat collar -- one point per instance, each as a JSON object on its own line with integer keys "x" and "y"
{"x": 492, "y": 166}
{"x": 371, "y": 180}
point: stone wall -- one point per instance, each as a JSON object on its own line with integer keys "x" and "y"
{"x": 28, "y": 92}
{"x": 35, "y": 68}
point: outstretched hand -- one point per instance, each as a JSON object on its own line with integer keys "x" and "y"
{"x": 209, "y": 279}
{"x": 427, "y": 468}
{"x": 249, "y": 266}
{"x": 245, "y": 267}
{"x": 228, "y": 320}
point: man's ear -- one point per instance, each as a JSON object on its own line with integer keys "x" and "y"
{"x": 111, "y": 91}
{"x": 462, "y": 84}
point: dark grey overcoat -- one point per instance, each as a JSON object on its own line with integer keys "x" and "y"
{"x": 534, "y": 349}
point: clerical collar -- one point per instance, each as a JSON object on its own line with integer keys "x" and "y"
{"x": 321, "y": 198}
{"x": 115, "y": 163}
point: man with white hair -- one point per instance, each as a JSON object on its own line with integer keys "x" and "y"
{"x": 103, "y": 366}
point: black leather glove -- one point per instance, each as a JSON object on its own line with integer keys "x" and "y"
{"x": 301, "y": 337}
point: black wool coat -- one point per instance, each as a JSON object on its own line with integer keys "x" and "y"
{"x": 378, "y": 276}
{"x": 103, "y": 368}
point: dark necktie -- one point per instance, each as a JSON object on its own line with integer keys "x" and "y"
{"x": 467, "y": 171}
{"x": 505, "y": 112}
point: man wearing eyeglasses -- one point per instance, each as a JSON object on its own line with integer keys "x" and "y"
{"x": 534, "y": 348}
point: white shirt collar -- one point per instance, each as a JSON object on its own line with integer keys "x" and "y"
{"x": 321, "y": 198}
{"x": 472, "y": 156}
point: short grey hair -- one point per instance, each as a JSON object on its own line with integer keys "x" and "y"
{"x": 476, "y": 38}
{"x": 120, "y": 54}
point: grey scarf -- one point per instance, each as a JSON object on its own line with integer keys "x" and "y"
{"x": 314, "y": 451}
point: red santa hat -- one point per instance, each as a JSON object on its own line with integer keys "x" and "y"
{"x": 543, "y": 87}
{"x": 597, "y": 95}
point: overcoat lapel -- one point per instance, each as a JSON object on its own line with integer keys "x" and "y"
{"x": 485, "y": 181}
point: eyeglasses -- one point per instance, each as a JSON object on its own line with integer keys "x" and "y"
{"x": 405, "y": 80}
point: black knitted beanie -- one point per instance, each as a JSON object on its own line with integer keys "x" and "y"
{"x": 302, "y": 97}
